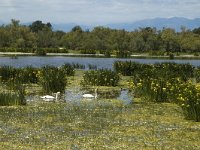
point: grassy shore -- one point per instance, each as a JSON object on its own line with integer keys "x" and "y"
{"x": 136, "y": 55}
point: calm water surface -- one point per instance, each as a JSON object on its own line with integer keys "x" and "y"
{"x": 38, "y": 61}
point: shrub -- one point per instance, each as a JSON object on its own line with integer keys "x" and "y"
{"x": 123, "y": 54}
{"x": 78, "y": 66}
{"x": 166, "y": 70}
{"x": 126, "y": 68}
{"x": 52, "y": 79}
{"x": 14, "y": 94}
{"x": 189, "y": 98}
{"x": 68, "y": 69}
{"x": 197, "y": 74}
{"x": 101, "y": 77}
{"x": 25, "y": 75}
{"x": 9, "y": 99}
{"x": 171, "y": 55}
{"x": 7, "y": 73}
{"x": 186, "y": 94}
{"x": 28, "y": 74}
{"x": 92, "y": 67}
{"x": 41, "y": 52}
{"x": 88, "y": 51}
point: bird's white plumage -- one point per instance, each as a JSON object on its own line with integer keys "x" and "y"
{"x": 49, "y": 98}
{"x": 90, "y": 96}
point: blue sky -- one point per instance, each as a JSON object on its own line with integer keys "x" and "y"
{"x": 96, "y": 12}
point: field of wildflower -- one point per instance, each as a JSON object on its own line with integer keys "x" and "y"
{"x": 164, "y": 112}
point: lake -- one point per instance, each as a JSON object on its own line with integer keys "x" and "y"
{"x": 38, "y": 61}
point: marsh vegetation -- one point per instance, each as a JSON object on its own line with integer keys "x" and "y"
{"x": 164, "y": 107}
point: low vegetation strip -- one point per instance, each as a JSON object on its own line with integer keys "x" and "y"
{"x": 105, "y": 124}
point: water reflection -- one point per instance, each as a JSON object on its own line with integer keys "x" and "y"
{"x": 75, "y": 95}
{"x": 125, "y": 96}
{"x": 38, "y": 61}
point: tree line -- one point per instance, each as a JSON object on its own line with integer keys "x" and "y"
{"x": 39, "y": 36}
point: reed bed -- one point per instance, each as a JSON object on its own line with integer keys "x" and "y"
{"x": 101, "y": 77}
{"x": 52, "y": 79}
{"x": 197, "y": 74}
{"x": 165, "y": 82}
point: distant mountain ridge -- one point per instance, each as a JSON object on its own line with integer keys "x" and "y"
{"x": 175, "y": 23}
{"x": 160, "y": 23}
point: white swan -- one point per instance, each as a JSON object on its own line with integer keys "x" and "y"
{"x": 49, "y": 98}
{"x": 90, "y": 96}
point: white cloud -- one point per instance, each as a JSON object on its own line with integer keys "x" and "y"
{"x": 96, "y": 11}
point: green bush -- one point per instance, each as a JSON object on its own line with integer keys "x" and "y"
{"x": 9, "y": 99}
{"x": 7, "y": 73}
{"x": 24, "y": 75}
{"x": 41, "y": 52}
{"x": 197, "y": 74}
{"x": 52, "y": 79}
{"x": 78, "y": 66}
{"x": 88, "y": 51}
{"x": 68, "y": 69}
{"x": 13, "y": 94}
{"x": 92, "y": 67}
{"x": 28, "y": 74}
{"x": 190, "y": 101}
{"x": 101, "y": 77}
{"x": 123, "y": 54}
{"x": 126, "y": 68}
{"x": 165, "y": 70}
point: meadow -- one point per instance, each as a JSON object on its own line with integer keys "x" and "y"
{"x": 154, "y": 120}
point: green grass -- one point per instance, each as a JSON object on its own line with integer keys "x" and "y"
{"x": 100, "y": 124}
{"x": 97, "y": 125}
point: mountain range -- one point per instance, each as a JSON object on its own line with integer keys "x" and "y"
{"x": 160, "y": 23}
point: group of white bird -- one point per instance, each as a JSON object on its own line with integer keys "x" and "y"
{"x": 49, "y": 98}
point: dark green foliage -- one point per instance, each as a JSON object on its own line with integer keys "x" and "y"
{"x": 12, "y": 92}
{"x": 68, "y": 69}
{"x": 28, "y": 74}
{"x": 165, "y": 70}
{"x": 19, "y": 38}
{"x": 92, "y": 67}
{"x": 10, "y": 99}
{"x": 52, "y": 79}
{"x": 88, "y": 52}
{"x": 55, "y": 50}
{"x": 197, "y": 74}
{"x": 171, "y": 56}
{"x": 40, "y": 52}
{"x": 129, "y": 68}
{"x": 123, "y": 54}
{"x": 38, "y": 25}
{"x": 78, "y": 66}
{"x": 8, "y": 73}
{"x": 101, "y": 77}
{"x": 24, "y": 75}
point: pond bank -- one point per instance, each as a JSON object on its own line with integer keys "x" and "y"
{"x": 136, "y": 56}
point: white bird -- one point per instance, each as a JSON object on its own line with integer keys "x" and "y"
{"x": 90, "y": 96}
{"x": 49, "y": 98}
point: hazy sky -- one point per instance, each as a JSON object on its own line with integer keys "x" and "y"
{"x": 96, "y": 12}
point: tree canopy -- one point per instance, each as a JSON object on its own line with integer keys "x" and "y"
{"x": 103, "y": 39}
